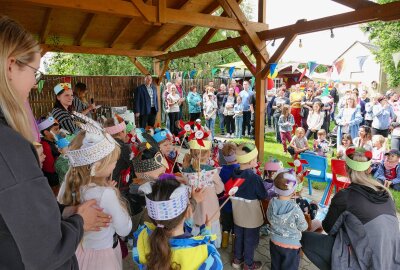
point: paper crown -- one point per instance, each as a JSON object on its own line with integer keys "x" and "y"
{"x": 289, "y": 176}
{"x": 118, "y": 127}
{"x": 359, "y": 166}
{"x": 62, "y": 143}
{"x": 46, "y": 123}
{"x": 273, "y": 165}
{"x": 247, "y": 157}
{"x": 60, "y": 87}
{"x": 96, "y": 145}
{"x": 161, "y": 134}
{"x": 166, "y": 210}
{"x": 193, "y": 144}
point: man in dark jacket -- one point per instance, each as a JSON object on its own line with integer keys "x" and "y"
{"x": 146, "y": 103}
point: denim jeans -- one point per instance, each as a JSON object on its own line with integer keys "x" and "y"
{"x": 210, "y": 123}
{"x": 246, "y": 242}
{"x": 246, "y": 122}
{"x": 221, "y": 117}
{"x": 238, "y": 126}
{"x": 278, "y": 135}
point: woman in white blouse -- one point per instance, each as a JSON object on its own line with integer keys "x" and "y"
{"x": 348, "y": 119}
{"x": 174, "y": 101}
{"x": 315, "y": 120}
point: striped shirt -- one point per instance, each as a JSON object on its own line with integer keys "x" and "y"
{"x": 79, "y": 105}
{"x": 64, "y": 119}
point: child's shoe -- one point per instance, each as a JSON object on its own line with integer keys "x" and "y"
{"x": 257, "y": 265}
{"x": 237, "y": 264}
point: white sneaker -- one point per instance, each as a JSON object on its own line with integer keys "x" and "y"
{"x": 227, "y": 135}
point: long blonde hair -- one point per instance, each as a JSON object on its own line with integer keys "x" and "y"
{"x": 364, "y": 178}
{"x": 80, "y": 176}
{"x": 196, "y": 158}
{"x": 15, "y": 42}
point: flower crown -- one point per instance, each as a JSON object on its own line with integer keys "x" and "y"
{"x": 358, "y": 165}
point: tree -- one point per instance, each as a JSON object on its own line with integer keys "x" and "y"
{"x": 386, "y": 35}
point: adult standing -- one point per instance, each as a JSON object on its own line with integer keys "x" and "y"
{"x": 235, "y": 87}
{"x": 348, "y": 119}
{"x": 146, "y": 103}
{"x": 363, "y": 230}
{"x": 295, "y": 103}
{"x": 364, "y": 96}
{"x": 80, "y": 102}
{"x": 277, "y": 106}
{"x": 174, "y": 102}
{"x": 306, "y": 106}
{"x": 382, "y": 114}
{"x": 181, "y": 92}
{"x": 222, "y": 93}
{"x": 229, "y": 103}
{"x": 246, "y": 95}
{"x": 166, "y": 92}
{"x": 25, "y": 197}
{"x": 194, "y": 100}
{"x": 210, "y": 112}
{"x": 63, "y": 107}
{"x": 270, "y": 100}
{"x": 334, "y": 93}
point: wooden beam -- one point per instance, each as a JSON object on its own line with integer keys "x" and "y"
{"x": 121, "y": 30}
{"x": 208, "y": 36}
{"x": 362, "y": 15}
{"x": 163, "y": 70}
{"x": 84, "y": 29}
{"x": 97, "y": 50}
{"x": 211, "y": 47}
{"x": 139, "y": 66}
{"x": 260, "y": 109}
{"x": 46, "y": 25}
{"x": 262, "y": 11}
{"x": 255, "y": 41}
{"x": 278, "y": 54}
{"x": 144, "y": 10}
{"x": 389, "y": 11}
{"x": 356, "y": 4}
{"x": 245, "y": 60}
{"x": 146, "y": 37}
{"x": 162, "y": 6}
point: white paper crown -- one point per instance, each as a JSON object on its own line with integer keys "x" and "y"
{"x": 166, "y": 210}
{"x": 95, "y": 146}
{"x": 46, "y": 123}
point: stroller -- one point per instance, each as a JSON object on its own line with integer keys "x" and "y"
{"x": 332, "y": 137}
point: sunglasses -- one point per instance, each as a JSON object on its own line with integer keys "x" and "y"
{"x": 38, "y": 74}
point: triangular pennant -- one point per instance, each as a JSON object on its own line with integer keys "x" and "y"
{"x": 40, "y": 86}
{"x": 339, "y": 65}
{"x": 214, "y": 70}
{"x": 192, "y": 74}
{"x": 329, "y": 73}
{"x": 252, "y": 81}
{"x": 312, "y": 66}
{"x": 361, "y": 61}
{"x": 168, "y": 75}
{"x": 184, "y": 74}
{"x": 231, "y": 70}
{"x": 326, "y": 91}
{"x": 272, "y": 69}
{"x": 302, "y": 74}
{"x": 396, "y": 58}
{"x": 295, "y": 66}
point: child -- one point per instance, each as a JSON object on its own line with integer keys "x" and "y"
{"x": 378, "y": 152}
{"x": 285, "y": 123}
{"x": 271, "y": 167}
{"x": 49, "y": 129}
{"x": 163, "y": 244}
{"x": 388, "y": 172}
{"x": 229, "y": 154}
{"x": 247, "y": 213}
{"x": 164, "y": 139}
{"x": 62, "y": 163}
{"x": 299, "y": 143}
{"x": 315, "y": 120}
{"x": 93, "y": 155}
{"x": 287, "y": 222}
{"x": 39, "y": 151}
{"x": 364, "y": 138}
{"x": 116, "y": 127}
{"x": 345, "y": 143}
{"x": 238, "y": 110}
{"x": 200, "y": 175}
{"x": 321, "y": 145}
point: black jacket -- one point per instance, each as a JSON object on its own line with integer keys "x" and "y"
{"x": 366, "y": 229}
{"x": 32, "y": 233}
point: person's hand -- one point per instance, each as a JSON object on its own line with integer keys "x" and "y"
{"x": 69, "y": 211}
{"x": 93, "y": 217}
{"x": 198, "y": 194}
{"x": 137, "y": 114}
{"x": 92, "y": 106}
{"x": 112, "y": 183}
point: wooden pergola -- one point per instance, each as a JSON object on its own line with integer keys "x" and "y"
{"x": 135, "y": 28}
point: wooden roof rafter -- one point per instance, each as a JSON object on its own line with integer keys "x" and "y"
{"x": 46, "y": 25}
{"x": 84, "y": 29}
{"x": 121, "y": 30}
{"x": 384, "y": 12}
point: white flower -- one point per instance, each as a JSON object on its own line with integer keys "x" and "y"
{"x": 297, "y": 163}
{"x": 199, "y": 134}
{"x": 187, "y": 128}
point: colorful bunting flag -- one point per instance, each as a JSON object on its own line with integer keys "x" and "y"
{"x": 272, "y": 70}
{"x": 396, "y": 59}
{"x": 295, "y": 66}
{"x": 329, "y": 73}
{"x": 40, "y": 86}
{"x": 168, "y": 75}
{"x": 361, "y": 61}
{"x": 231, "y": 70}
{"x": 270, "y": 83}
{"x": 192, "y": 74}
{"x": 302, "y": 74}
{"x": 184, "y": 74}
{"x": 214, "y": 70}
{"x": 326, "y": 91}
{"x": 252, "y": 81}
{"x": 312, "y": 66}
{"x": 339, "y": 65}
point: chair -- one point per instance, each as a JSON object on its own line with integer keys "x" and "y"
{"x": 340, "y": 178}
{"x": 318, "y": 166}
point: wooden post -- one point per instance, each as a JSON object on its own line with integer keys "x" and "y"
{"x": 260, "y": 108}
{"x": 156, "y": 68}
{"x": 260, "y": 91}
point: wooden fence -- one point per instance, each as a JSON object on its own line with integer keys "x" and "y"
{"x": 105, "y": 90}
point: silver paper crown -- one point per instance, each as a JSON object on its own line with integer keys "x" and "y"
{"x": 166, "y": 210}
{"x": 96, "y": 145}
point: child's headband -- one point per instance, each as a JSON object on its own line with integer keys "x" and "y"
{"x": 358, "y": 166}
{"x": 247, "y": 157}
{"x": 291, "y": 182}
